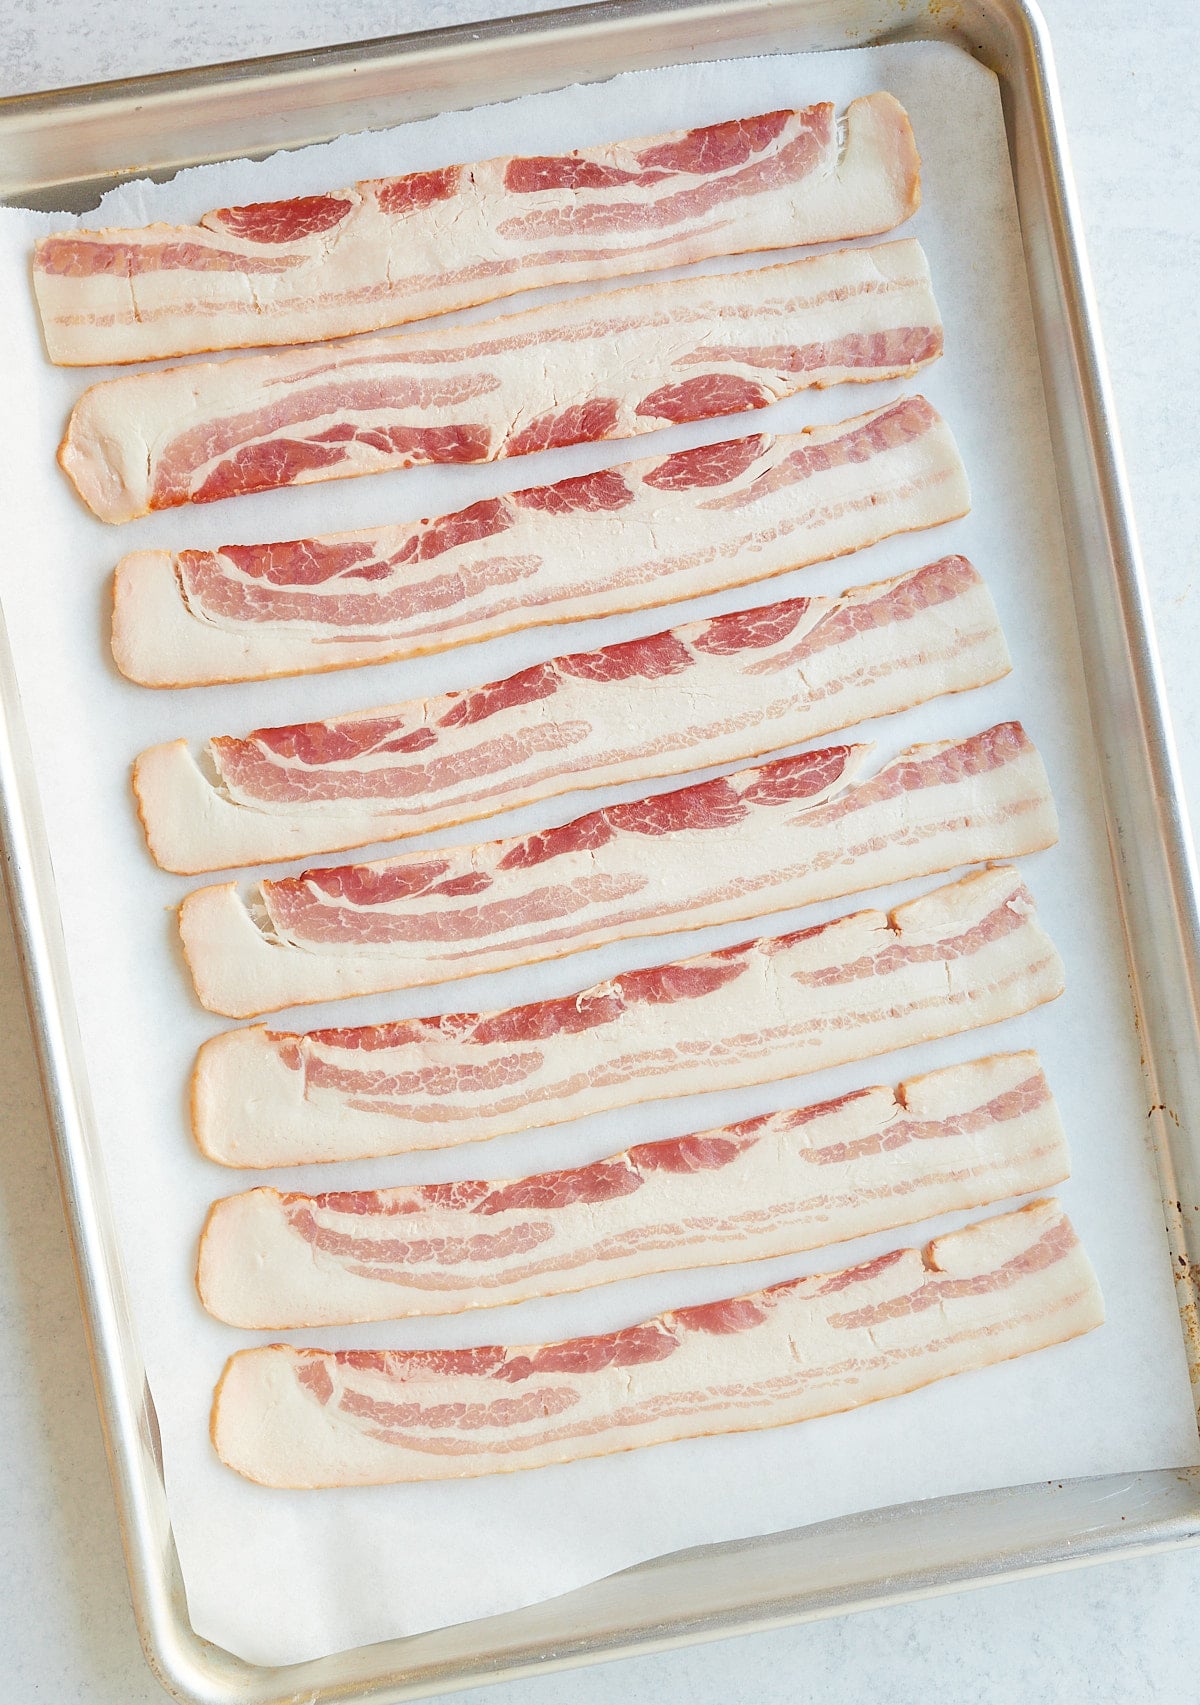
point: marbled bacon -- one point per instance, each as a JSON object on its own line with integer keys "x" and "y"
{"x": 999, "y": 1288}
{"x": 785, "y": 1182}
{"x": 590, "y": 368}
{"x": 792, "y": 832}
{"x": 639, "y": 534}
{"x": 395, "y": 249}
{"x": 739, "y": 685}
{"x": 967, "y": 954}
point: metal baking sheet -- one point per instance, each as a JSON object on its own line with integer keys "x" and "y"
{"x": 66, "y": 150}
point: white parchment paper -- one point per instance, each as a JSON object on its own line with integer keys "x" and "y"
{"x": 277, "y": 1577}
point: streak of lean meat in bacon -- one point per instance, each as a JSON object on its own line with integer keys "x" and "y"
{"x": 793, "y": 832}
{"x": 740, "y": 684}
{"x": 395, "y": 249}
{"x": 639, "y": 534}
{"x": 999, "y": 1288}
{"x": 594, "y": 367}
{"x": 967, "y": 954}
{"x": 785, "y": 1182}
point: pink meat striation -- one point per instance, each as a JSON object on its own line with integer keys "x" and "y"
{"x": 325, "y": 760}
{"x": 966, "y": 954}
{"x": 399, "y": 248}
{"x": 621, "y": 538}
{"x": 805, "y": 1347}
{"x": 570, "y": 372}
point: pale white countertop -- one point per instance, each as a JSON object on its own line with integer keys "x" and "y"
{"x": 1126, "y": 1632}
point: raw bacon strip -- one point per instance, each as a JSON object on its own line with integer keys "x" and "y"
{"x": 747, "y": 682}
{"x": 796, "y": 831}
{"x": 775, "y": 1185}
{"x": 807, "y": 1347}
{"x": 632, "y": 536}
{"x": 967, "y": 954}
{"x": 594, "y": 367}
{"x": 397, "y": 249}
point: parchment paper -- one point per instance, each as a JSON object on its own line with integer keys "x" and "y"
{"x": 277, "y": 1577}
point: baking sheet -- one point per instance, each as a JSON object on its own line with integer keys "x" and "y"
{"x": 277, "y": 1577}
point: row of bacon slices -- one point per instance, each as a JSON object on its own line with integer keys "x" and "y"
{"x": 785, "y": 832}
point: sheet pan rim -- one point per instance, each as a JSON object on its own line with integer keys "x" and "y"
{"x": 189, "y": 1667}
